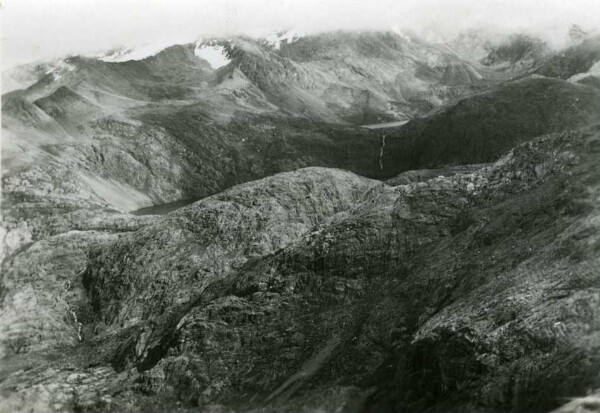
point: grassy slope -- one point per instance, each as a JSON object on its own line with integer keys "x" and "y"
{"x": 482, "y": 127}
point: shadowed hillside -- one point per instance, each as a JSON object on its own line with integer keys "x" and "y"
{"x": 480, "y": 128}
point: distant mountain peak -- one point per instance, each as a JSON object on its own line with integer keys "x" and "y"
{"x": 276, "y": 39}
{"x": 60, "y": 68}
{"x": 125, "y": 54}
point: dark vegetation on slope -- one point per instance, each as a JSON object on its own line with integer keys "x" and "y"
{"x": 480, "y": 128}
{"x": 252, "y": 147}
{"x": 473, "y": 130}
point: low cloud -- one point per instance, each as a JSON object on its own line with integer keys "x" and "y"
{"x": 42, "y": 29}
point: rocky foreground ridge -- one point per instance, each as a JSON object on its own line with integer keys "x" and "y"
{"x": 321, "y": 289}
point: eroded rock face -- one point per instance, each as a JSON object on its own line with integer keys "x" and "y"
{"x": 211, "y": 238}
{"x": 515, "y": 323}
{"x": 318, "y": 289}
{"x": 43, "y": 301}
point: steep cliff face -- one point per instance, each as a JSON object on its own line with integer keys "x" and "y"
{"x": 325, "y": 290}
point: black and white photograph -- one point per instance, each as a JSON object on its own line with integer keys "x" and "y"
{"x": 300, "y": 206}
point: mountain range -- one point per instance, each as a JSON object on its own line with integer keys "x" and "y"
{"x": 343, "y": 221}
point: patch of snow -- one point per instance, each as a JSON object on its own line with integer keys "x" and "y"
{"x": 117, "y": 194}
{"x": 59, "y": 69}
{"x": 61, "y": 66}
{"x": 384, "y": 125}
{"x": 214, "y": 54}
{"x": 276, "y": 39}
{"x": 132, "y": 53}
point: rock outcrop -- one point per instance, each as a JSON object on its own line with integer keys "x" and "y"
{"x": 325, "y": 290}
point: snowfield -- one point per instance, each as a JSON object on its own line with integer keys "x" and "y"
{"x": 133, "y": 53}
{"x": 215, "y": 55}
{"x": 276, "y": 39}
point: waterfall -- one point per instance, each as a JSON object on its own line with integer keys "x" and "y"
{"x": 381, "y": 152}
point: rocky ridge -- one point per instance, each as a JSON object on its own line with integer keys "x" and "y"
{"x": 316, "y": 287}
{"x": 336, "y": 279}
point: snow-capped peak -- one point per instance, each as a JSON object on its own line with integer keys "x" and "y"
{"x": 132, "y": 53}
{"x": 214, "y": 53}
{"x": 276, "y": 39}
{"x": 59, "y": 69}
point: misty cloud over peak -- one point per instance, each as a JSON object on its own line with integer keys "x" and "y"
{"x": 33, "y": 29}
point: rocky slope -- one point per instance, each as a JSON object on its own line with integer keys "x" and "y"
{"x": 518, "y": 53}
{"x": 325, "y": 290}
{"x": 94, "y": 134}
{"x": 467, "y": 280}
{"x": 97, "y": 135}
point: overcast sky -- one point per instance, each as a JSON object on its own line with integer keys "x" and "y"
{"x": 42, "y": 29}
